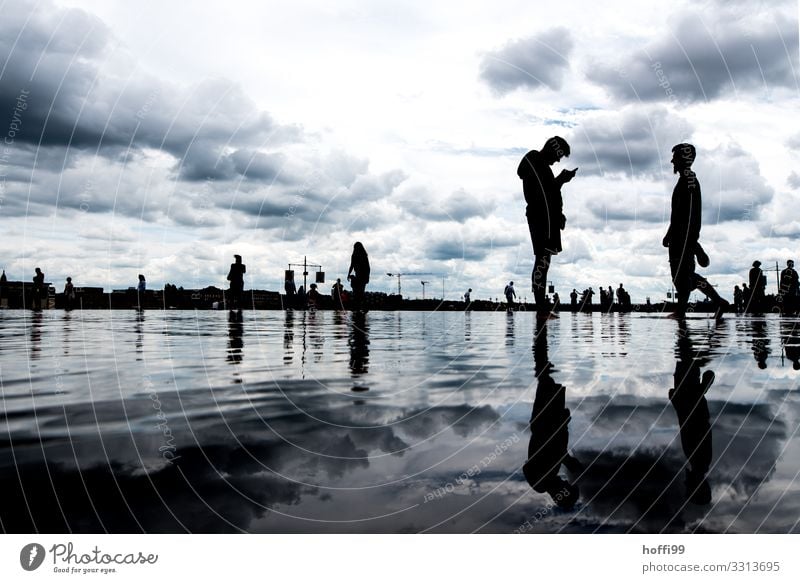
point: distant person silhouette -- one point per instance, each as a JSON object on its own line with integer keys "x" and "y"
{"x": 289, "y": 287}
{"x": 467, "y": 296}
{"x": 573, "y": 298}
{"x": 69, "y": 294}
{"x": 236, "y": 279}
{"x": 544, "y": 210}
{"x": 336, "y": 294}
{"x": 301, "y": 297}
{"x": 683, "y": 234}
{"x": 141, "y": 287}
{"x": 789, "y": 287}
{"x": 39, "y": 291}
{"x": 689, "y": 400}
{"x": 313, "y": 296}
{"x": 549, "y": 442}
{"x": 738, "y": 299}
{"x": 358, "y": 274}
{"x": 758, "y": 284}
{"x": 556, "y": 301}
{"x": 746, "y": 292}
{"x": 510, "y": 295}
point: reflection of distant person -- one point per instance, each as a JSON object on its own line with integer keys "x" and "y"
{"x": 359, "y": 345}
{"x": 683, "y": 234}
{"x": 544, "y": 209}
{"x": 689, "y": 400}
{"x": 758, "y": 284}
{"x": 548, "y": 446}
{"x": 510, "y": 295}
{"x": 38, "y": 289}
{"x": 358, "y": 274}
{"x": 790, "y": 333}
{"x": 236, "y": 277}
{"x": 69, "y": 294}
{"x": 761, "y": 349}
{"x": 788, "y": 291}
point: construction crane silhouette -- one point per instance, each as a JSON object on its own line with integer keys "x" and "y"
{"x": 423, "y": 288}
{"x": 400, "y": 275}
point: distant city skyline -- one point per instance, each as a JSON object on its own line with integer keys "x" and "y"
{"x": 162, "y": 139}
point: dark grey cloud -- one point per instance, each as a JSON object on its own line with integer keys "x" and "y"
{"x": 56, "y": 89}
{"x": 700, "y": 59}
{"x": 636, "y": 141}
{"x": 535, "y": 62}
{"x": 83, "y": 137}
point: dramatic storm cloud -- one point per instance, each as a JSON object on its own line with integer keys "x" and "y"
{"x": 537, "y": 61}
{"x": 703, "y": 57}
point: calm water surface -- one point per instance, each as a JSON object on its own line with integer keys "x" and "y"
{"x": 396, "y": 422}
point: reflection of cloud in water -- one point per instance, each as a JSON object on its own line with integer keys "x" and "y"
{"x": 226, "y": 492}
{"x": 637, "y": 483}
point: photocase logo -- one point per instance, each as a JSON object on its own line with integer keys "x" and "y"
{"x": 31, "y": 556}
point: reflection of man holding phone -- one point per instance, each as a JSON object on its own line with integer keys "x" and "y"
{"x": 545, "y": 217}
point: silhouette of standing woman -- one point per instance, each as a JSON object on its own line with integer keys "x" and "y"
{"x": 544, "y": 211}
{"x": 358, "y": 274}
{"x": 236, "y": 277}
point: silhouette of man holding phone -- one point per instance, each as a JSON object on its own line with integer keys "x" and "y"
{"x": 545, "y": 210}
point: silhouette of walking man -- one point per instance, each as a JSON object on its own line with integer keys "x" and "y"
{"x": 683, "y": 234}
{"x": 544, "y": 211}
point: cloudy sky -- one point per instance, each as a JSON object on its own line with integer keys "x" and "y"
{"x": 161, "y": 138}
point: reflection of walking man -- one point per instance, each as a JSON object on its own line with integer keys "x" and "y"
{"x": 683, "y": 235}
{"x": 544, "y": 211}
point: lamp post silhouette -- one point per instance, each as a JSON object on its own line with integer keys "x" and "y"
{"x": 320, "y": 278}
